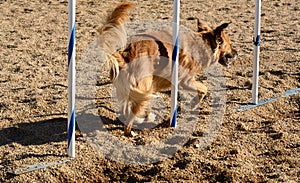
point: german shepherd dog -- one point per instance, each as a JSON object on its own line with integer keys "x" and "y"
{"x": 143, "y": 66}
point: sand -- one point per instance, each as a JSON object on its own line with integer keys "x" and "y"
{"x": 257, "y": 145}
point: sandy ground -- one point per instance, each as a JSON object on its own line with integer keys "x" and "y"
{"x": 257, "y": 145}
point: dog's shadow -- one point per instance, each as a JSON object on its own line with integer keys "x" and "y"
{"x": 35, "y": 133}
{"x": 118, "y": 124}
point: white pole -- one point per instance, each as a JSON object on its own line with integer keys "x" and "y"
{"x": 71, "y": 79}
{"x": 256, "y": 52}
{"x": 174, "y": 91}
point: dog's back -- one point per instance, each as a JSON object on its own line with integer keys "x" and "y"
{"x": 157, "y": 48}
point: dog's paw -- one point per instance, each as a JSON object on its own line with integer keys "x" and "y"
{"x": 195, "y": 102}
{"x": 155, "y": 96}
{"x": 130, "y": 134}
{"x": 151, "y": 117}
{"x": 139, "y": 120}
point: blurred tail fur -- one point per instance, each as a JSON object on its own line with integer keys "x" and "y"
{"x": 113, "y": 36}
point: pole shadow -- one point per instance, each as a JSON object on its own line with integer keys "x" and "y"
{"x": 35, "y": 133}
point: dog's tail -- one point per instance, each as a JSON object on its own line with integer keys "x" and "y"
{"x": 113, "y": 35}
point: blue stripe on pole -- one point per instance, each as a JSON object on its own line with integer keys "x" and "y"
{"x": 71, "y": 128}
{"x": 71, "y": 45}
{"x": 174, "y": 119}
{"x": 175, "y": 36}
{"x": 257, "y": 41}
{"x": 174, "y": 58}
{"x": 175, "y": 51}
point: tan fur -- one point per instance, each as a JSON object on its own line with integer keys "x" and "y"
{"x": 112, "y": 35}
{"x": 143, "y": 66}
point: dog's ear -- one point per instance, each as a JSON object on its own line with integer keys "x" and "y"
{"x": 218, "y": 31}
{"x": 220, "y": 28}
{"x": 203, "y": 27}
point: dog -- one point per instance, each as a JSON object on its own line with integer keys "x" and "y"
{"x": 142, "y": 64}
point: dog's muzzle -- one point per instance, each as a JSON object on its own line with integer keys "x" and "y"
{"x": 225, "y": 60}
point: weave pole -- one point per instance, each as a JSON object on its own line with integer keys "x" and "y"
{"x": 71, "y": 79}
{"x": 175, "y": 53}
{"x": 256, "y": 52}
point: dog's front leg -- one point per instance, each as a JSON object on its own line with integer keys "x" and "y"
{"x": 201, "y": 89}
{"x": 190, "y": 84}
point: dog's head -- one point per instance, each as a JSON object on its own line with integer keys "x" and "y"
{"x": 219, "y": 42}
